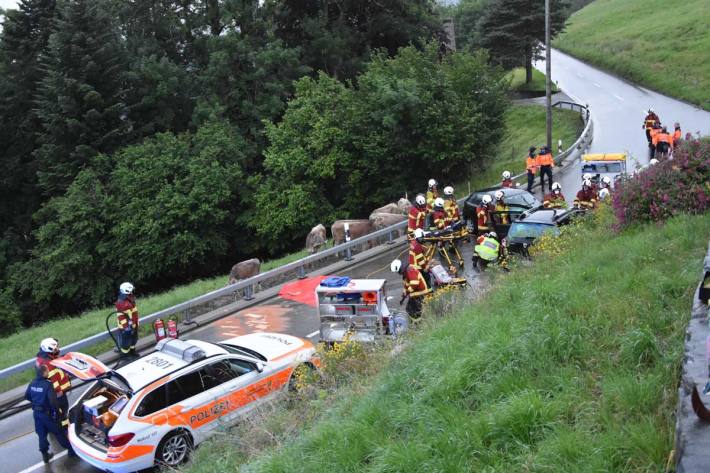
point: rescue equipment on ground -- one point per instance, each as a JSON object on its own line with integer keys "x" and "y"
{"x": 159, "y": 330}
{"x": 173, "y": 331}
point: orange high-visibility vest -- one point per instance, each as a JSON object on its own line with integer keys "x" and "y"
{"x": 545, "y": 160}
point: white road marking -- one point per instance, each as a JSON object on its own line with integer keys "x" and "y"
{"x": 313, "y": 334}
{"x": 618, "y": 97}
{"x": 597, "y": 85}
{"x": 41, "y": 464}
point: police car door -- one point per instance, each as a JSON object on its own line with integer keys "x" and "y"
{"x": 239, "y": 394}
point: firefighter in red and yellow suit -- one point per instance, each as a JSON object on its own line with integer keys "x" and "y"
{"x": 432, "y": 194}
{"x": 587, "y": 197}
{"x": 48, "y": 351}
{"x": 483, "y": 216}
{"x": 417, "y": 216}
{"x": 451, "y": 207}
{"x": 415, "y": 287}
{"x": 127, "y": 320}
{"x": 502, "y": 210}
{"x": 438, "y": 216}
{"x": 417, "y": 255}
{"x": 507, "y": 181}
{"x": 555, "y": 199}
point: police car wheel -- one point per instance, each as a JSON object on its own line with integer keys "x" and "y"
{"x": 174, "y": 449}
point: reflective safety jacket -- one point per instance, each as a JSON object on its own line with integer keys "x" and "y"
{"x": 664, "y": 138}
{"x": 451, "y": 208}
{"x": 554, "y": 201}
{"x": 482, "y": 218}
{"x": 127, "y": 312}
{"x": 417, "y": 258}
{"x": 438, "y": 217}
{"x": 531, "y": 164}
{"x": 507, "y": 183}
{"x": 503, "y": 212}
{"x": 431, "y": 196}
{"x": 654, "y": 135}
{"x": 416, "y": 219}
{"x": 59, "y": 379}
{"x": 650, "y": 120}
{"x": 414, "y": 282}
{"x": 586, "y": 198}
{"x": 545, "y": 160}
{"x": 676, "y": 136}
{"x": 487, "y": 248}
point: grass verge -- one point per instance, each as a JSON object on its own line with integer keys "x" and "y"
{"x": 517, "y": 81}
{"x": 662, "y": 44}
{"x": 23, "y": 345}
{"x": 568, "y": 365}
{"x": 524, "y": 126}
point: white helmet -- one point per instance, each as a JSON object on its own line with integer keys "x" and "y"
{"x": 653, "y": 161}
{"x": 432, "y": 183}
{"x": 448, "y": 190}
{"x": 395, "y": 266}
{"x": 506, "y": 174}
{"x": 650, "y": 110}
{"x": 126, "y": 288}
{"x": 603, "y": 194}
{"x": 606, "y": 180}
{"x": 486, "y": 199}
{"x": 586, "y": 177}
{"x": 438, "y": 202}
{"x": 49, "y": 345}
{"x": 587, "y": 183}
{"x": 420, "y": 200}
{"x": 499, "y": 195}
{"x": 556, "y": 186}
{"x": 418, "y": 233}
{"x": 493, "y": 234}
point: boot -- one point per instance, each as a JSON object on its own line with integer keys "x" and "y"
{"x": 46, "y": 456}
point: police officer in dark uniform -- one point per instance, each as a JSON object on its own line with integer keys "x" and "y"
{"x": 45, "y": 410}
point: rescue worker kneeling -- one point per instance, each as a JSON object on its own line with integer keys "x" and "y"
{"x": 488, "y": 250}
{"x": 46, "y": 412}
{"x": 415, "y": 287}
{"x": 555, "y": 199}
{"x": 587, "y": 197}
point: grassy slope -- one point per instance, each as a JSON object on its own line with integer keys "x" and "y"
{"x": 525, "y": 126}
{"x": 23, "y": 345}
{"x": 517, "y": 81}
{"x": 569, "y": 365}
{"x": 662, "y": 44}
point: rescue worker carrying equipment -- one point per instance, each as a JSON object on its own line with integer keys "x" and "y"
{"x": 555, "y": 199}
{"x": 48, "y": 351}
{"x": 501, "y": 209}
{"x": 587, "y": 197}
{"x": 45, "y": 410}
{"x": 531, "y": 166}
{"x": 649, "y": 122}
{"x": 664, "y": 142}
{"x": 483, "y": 217}
{"x": 417, "y": 251}
{"x": 676, "y": 134}
{"x": 417, "y": 215}
{"x": 415, "y": 287}
{"x": 432, "y": 194}
{"x": 438, "y": 216}
{"x": 546, "y": 163}
{"x": 127, "y": 320}
{"x": 451, "y": 207}
{"x": 507, "y": 181}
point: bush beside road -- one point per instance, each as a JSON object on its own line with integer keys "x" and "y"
{"x": 661, "y": 44}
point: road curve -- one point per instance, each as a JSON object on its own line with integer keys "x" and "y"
{"x": 618, "y": 108}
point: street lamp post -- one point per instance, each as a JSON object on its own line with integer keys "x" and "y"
{"x": 548, "y": 78}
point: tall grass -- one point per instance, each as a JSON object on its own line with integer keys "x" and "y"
{"x": 570, "y": 365}
{"x": 662, "y": 44}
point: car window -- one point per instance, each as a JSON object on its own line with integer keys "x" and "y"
{"x": 152, "y": 402}
{"x": 217, "y": 373}
{"x": 521, "y": 200}
{"x": 531, "y": 230}
{"x": 241, "y": 366}
{"x": 186, "y": 386}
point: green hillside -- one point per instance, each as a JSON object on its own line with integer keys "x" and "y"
{"x": 661, "y": 44}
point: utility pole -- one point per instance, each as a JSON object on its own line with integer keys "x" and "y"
{"x": 548, "y": 74}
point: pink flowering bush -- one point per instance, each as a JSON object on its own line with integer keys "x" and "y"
{"x": 671, "y": 187}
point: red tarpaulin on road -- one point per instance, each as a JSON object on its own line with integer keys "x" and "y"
{"x": 303, "y": 290}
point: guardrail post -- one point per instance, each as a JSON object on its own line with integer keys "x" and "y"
{"x": 348, "y": 254}
{"x": 301, "y": 272}
{"x": 188, "y": 318}
{"x": 248, "y": 293}
{"x": 390, "y": 240}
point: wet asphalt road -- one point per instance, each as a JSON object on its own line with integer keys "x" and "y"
{"x": 618, "y": 109}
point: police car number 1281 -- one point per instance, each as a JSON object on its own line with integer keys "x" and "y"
{"x": 159, "y": 362}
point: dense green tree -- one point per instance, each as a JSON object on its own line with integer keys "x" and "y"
{"x": 514, "y": 30}
{"x": 338, "y": 36}
{"x": 81, "y": 101}
{"x": 466, "y": 15}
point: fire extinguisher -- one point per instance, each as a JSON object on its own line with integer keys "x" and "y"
{"x": 159, "y": 329}
{"x": 172, "y": 328}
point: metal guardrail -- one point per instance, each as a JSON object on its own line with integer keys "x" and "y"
{"x": 300, "y": 266}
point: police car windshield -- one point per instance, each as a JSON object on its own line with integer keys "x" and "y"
{"x": 238, "y": 350}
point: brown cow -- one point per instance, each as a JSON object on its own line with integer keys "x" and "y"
{"x": 382, "y": 220}
{"x": 389, "y": 209}
{"x": 404, "y": 205}
{"x": 244, "y": 270}
{"x": 358, "y": 228}
{"x": 316, "y": 239}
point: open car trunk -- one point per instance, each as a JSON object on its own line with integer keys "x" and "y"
{"x": 96, "y": 411}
